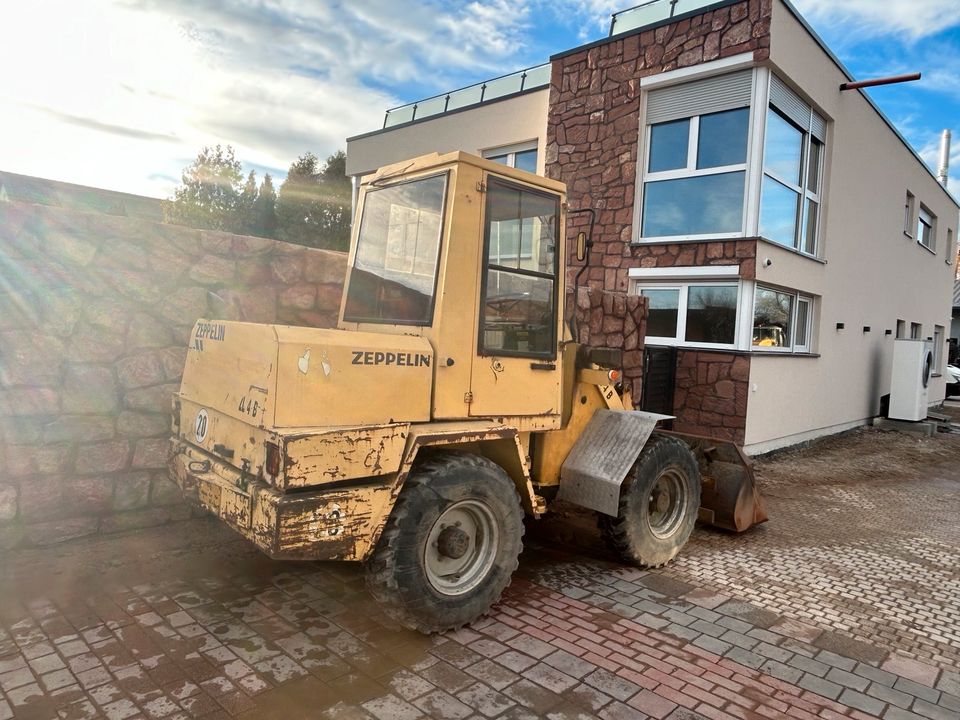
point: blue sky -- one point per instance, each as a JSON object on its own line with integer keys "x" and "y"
{"x": 122, "y": 93}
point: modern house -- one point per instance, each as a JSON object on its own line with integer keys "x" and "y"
{"x": 782, "y": 229}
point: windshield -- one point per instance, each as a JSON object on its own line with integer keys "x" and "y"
{"x": 394, "y": 273}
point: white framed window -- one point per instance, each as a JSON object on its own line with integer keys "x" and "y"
{"x": 926, "y": 228}
{"x": 695, "y": 313}
{"x": 522, "y": 156}
{"x": 703, "y": 310}
{"x": 803, "y": 324}
{"x": 909, "y": 209}
{"x": 793, "y": 157}
{"x": 938, "y": 349}
{"x": 694, "y": 162}
{"x": 782, "y": 320}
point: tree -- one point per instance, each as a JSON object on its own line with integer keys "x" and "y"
{"x": 265, "y": 209}
{"x": 313, "y": 205}
{"x": 209, "y": 197}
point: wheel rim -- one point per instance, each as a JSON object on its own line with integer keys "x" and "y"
{"x": 667, "y": 503}
{"x": 461, "y": 547}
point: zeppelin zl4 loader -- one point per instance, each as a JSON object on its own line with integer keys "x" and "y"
{"x": 451, "y": 399}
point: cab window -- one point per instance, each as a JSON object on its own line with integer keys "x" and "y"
{"x": 394, "y": 275}
{"x": 519, "y": 300}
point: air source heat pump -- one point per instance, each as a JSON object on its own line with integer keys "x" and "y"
{"x": 912, "y": 365}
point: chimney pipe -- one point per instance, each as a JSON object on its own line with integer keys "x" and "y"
{"x": 943, "y": 170}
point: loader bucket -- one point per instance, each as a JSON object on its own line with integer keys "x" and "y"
{"x": 729, "y": 497}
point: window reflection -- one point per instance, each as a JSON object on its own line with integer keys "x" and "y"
{"x": 723, "y": 139}
{"x": 783, "y": 149}
{"x": 395, "y": 267}
{"x": 694, "y": 206}
{"x": 519, "y": 305}
{"x": 668, "y": 145}
{"x": 662, "y": 310}
{"x": 778, "y": 213}
{"x": 772, "y": 313}
{"x": 712, "y": 314}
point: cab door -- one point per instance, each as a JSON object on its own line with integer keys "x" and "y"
{"x": 516, "y": 370}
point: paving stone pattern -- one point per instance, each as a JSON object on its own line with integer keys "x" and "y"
{"x": 571, "y": 639}
{"x": 871, "y": 561}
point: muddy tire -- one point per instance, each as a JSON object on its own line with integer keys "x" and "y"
{"x": 451, "y": 544}
{"x": 659, "y": 501}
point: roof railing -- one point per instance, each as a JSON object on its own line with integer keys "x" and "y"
{"x": 486, "y": 91}
{"x": 653, "y": 12}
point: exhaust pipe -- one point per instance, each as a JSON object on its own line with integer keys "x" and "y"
{"x": 943, "y": 170}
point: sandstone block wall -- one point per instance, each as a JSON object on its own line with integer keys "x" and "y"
{"x": 95, "y": 314}
{"x": 711, "y": 394}
{"x": 612, "y": 320}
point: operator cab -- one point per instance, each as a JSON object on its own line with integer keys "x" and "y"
{"x": 468, "y": 254}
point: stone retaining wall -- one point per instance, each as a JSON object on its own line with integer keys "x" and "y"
{"x": 95, "y": 314}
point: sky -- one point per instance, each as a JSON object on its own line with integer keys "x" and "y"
{"x": 122, "y": 94}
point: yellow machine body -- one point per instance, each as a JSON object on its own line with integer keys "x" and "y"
{"x": 301, "y": 438}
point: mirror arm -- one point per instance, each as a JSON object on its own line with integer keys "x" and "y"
{"x": 574, "y": 326}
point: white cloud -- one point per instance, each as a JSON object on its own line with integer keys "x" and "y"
{"x": 914, "y": 18}
{"x": 123, "y": 93}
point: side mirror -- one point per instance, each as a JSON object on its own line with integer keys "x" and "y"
{"x": 581, "y": 246}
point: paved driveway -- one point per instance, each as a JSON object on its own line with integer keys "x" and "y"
{"x": 845, "y": 605}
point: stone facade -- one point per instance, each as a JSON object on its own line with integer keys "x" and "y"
{"x": 593, "y": 128}
{"x": 711, "y": 394}
{"x": 612, "y": 320}
{"x": 95, "y": 314}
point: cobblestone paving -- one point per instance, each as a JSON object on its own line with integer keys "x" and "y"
{"x": 789, "y": 622}
{"x": 874, "y": 558}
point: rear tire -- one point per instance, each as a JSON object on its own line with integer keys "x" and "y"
{"x": 451, "y": 544}
{"x": 659, "y": 501}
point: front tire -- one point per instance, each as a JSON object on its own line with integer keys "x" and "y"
{"x": 659, "y": 501}
{"x": 451, "y": 543}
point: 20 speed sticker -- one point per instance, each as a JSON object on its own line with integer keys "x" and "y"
{"x": 201, "y": 425}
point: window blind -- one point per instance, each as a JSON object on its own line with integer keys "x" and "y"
{"x": 791, "y": 105}
{"x": 710, "y": 95}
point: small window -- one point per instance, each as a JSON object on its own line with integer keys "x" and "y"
{"x": 908, "y": 211}
{"x": 394, "y": 272}
{"x": 901, "y": 329}
{"x": 519, "y": 305}
{"x": 950, "y": 250}
{"x": 926, "y": 222}
{"x": 916, "y": 331}
{"x": 801, "y": 341}
{"x": 522, "y": 156}
{"x": 938, "y": 349}
{"x": 772, "y": 319}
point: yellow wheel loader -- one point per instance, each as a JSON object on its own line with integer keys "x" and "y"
{"x": 450, "y": 400}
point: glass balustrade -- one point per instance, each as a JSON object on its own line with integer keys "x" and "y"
{"x": 500, "y": 87}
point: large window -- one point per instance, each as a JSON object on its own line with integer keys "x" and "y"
{"x": 792, "y": 171}
{"x": 394, "y": 272}
{"x": 703, "y": 314}
{"x": 519, "y": 306}
{"x": 696, "y": 158}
